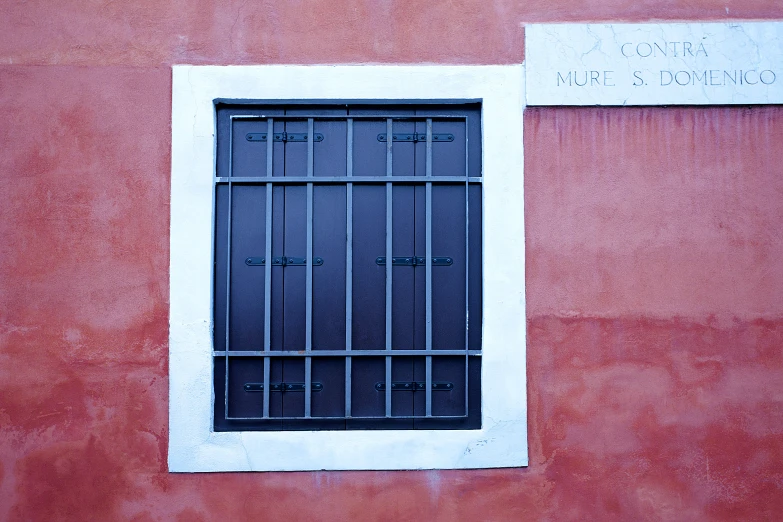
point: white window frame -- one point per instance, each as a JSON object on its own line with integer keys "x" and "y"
{"x": 502, "y": 439}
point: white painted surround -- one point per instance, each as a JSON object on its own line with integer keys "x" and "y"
{"x": 567, "y": 64}
{"x": 502, "y": 441}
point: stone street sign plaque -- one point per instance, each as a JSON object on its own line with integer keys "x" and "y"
{"x": 654, "y": 64}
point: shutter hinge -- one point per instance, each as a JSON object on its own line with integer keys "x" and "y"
{"x": 283, "y": 387}
{"x": 415, "y": 386}
{"x": 284, "y": 136}
{"x": 283, "y": 261}
{"x": 414, "y": 261}
{"x": 415, "y": 137}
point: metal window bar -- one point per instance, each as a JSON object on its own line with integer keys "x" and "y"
{"x": 333, "y": 117}
{"x": 467, "y": 268}
{"x": 268, "y": 270}
{"x": 309, "y": 274}
{"x": 349, "y": 180}
{"x": 228, "y": 258}
{"x": 389, "y": 234}
{"x": 299, "y": 180}
{"x": 428, "y": 268}
{"x": 348, "y": 263}
{"x": 374, "y": 417}
{"x": 341, "y": 353}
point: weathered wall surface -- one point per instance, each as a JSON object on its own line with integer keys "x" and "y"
{"x": 654, "y": 310}
{"x": 654, "y": 282}
{"x": 145, "y": 32}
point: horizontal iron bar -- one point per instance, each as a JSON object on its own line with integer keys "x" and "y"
{"x": 347, "y": 418}
{"x": 414, "y": 137}
{"x": 414, "y": 261}
{"x": 415, "y": 386}
{"x": 283, "y": 136}
{"x": 348, "y": 179}
{"x": 344, "y": 353}
{"x": 283, "y": 261}
{"x": 282, "y": 387}
{"x": 339, "y": 117}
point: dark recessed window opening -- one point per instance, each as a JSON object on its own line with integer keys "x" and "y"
{"x": 347, "y": 267}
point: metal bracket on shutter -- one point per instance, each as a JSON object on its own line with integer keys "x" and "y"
{"x": 415, "y": 386}
{"x": 414, "y": 261}
{"x": 415, "y": 137}
{"x": 283, "y": 261}
{"x": 284, "y": 136}
{"x": 283, "y": 387}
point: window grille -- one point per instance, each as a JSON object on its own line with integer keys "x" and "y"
{"x": 314, "y": 328}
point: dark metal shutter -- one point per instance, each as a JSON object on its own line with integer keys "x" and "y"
{"x": 333, "y": 351}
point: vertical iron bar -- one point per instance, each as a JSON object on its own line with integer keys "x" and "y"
{"x": 228, "y": 254}
{"x": 467, "y": 264}
{"x": 309, "y": 272}
{"x": 268, "y": 265}
{"x": 428, "y": 267}
{"x": 348, "y": 263}
{"x": 389, "y": 231}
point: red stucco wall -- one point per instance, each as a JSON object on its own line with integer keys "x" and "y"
{"x": 654, "y": 281}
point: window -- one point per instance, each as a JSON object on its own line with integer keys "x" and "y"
{"x": 347, "y": 340}
{"x": 222, "y": 286}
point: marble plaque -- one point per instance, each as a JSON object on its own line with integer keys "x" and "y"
{"x": 654, "y": 64}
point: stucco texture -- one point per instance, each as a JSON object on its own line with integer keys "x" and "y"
{"x": 654, "y": 283}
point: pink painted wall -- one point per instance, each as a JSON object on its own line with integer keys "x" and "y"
{"x": 654, "y": 282}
